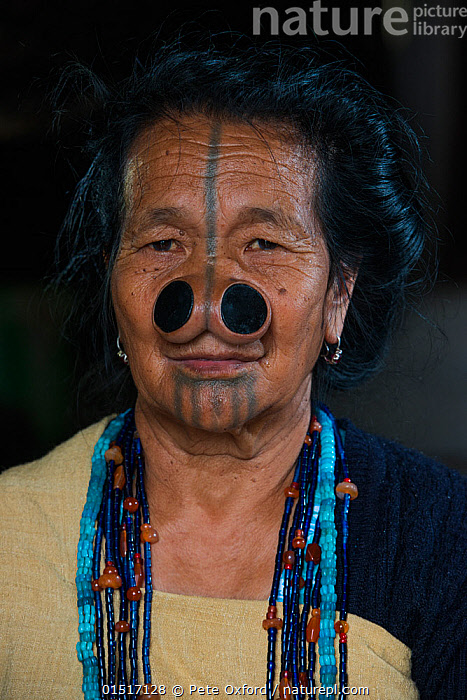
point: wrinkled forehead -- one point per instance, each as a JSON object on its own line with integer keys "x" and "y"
{"x": 180, "y": 153}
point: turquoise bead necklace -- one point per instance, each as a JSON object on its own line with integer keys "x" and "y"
{"x": 305, "y": 576}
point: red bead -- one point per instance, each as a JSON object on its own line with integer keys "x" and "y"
{"x": 343, "y": 638}
{"x": 122, "y": 626}
{"x": 148, "y": 534}
{"x": 133, "y": 593}
{"x": 114, "y": 454}
{"x": 298, "y": 541}
{"x": 131, "y": 504}
{"x": 301, "y": 582}
{"x": 123, "y": 541}
{"x": 119, "y": 477}
{"x": 348, "y": 480}
{"x": 95, "y": 585}
{"x": 313, "y": 553}
{"x": 303, "y": 679}
{"x": 139, "y": 572}
{"x": 271, "y": 613}
{"x": 346, "y": 487}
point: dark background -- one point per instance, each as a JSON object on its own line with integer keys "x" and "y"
{"x": 419, "y": 399}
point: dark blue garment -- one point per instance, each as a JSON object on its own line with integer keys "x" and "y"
{"x": 407, "y": 557}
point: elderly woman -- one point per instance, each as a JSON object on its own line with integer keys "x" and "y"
{"x": 248, "y": 218}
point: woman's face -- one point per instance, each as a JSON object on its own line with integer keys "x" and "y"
{"x": 214, "y": 204}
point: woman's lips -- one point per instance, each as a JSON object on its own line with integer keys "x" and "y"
{"x": 214, "y": 365}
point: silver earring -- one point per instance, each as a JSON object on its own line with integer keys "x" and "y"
{"x": 332, "y": 357}
{"x": 121, "y": 353}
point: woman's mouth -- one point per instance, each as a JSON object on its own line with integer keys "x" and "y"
{"x": 216, "y": 365}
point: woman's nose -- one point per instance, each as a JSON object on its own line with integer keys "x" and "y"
{"x": 238, "y": 313}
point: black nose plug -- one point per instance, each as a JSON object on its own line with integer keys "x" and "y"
{"x": 243, "y": 309}
{"x": 173, "y": 306}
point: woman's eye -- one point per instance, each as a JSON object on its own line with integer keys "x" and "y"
{"x": 165, "y": 245}
{"x": 262, "y": 244}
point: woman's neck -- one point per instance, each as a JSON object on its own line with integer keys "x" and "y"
{"x": 217, "y": 497}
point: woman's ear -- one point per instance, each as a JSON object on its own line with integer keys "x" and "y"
{"x": 338, "y": 299}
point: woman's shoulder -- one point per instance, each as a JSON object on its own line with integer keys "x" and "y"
{"x": 43, "y": 500}
{"x": 384, "y": 463}
{"x": 41, "y": 506}
{"x": 59, "y": 466}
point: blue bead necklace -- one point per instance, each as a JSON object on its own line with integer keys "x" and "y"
{"x": 116, "y": 519}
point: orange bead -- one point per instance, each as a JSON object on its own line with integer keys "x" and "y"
{"x": 95, "y": 585}
{"x": 272, "y": 622}
{"x": 139, "y": 572}
{"x": 298, "y": 541}
{"x": 114, "y": 454}
{"x": 341, "y": 626}
{"x": 110, "y": 568}
{"x": 312, "y": 629}
{"x": 308, "y": 440}
{"x": 122, "y": 626}
{"x": 288, "y": 558}
{"x": 292, "y": 491}
{"x": 315, "y": 425}
{"x": 123, "y": 541}
{"x": 119, "y": 477}
{"x": 110, "y": 581}
{"x": 131, "y": 504}
{"x": 346, "y": 487}
{"x": 148, "y": 534}
{"x": 271, "y": 619}
{"x": 313, "y": 553}
{"x": 316, "y": 612}
{"x": 285, "y": 691}
{"x": 133, "y": 593}
{"x": 303, "y": 679}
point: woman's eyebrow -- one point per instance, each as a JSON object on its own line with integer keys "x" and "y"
{"x": 162, "y": 215}
{"x": 143, "y": 221}
{"x": 266, "y": 215}
{"x": 277, "y": 218}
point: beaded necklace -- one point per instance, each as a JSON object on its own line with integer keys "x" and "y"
{"x": 115, "y": 525}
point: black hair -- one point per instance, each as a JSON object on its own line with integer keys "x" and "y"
{"x": 372, "y": 199}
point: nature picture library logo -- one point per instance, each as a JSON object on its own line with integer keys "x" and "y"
{"x": 406, "y": 18}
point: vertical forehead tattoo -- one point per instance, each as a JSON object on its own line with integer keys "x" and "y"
{"x": 211, "y": 205}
